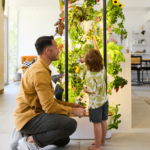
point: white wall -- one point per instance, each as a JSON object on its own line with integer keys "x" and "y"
{"x": 34, "y": 3}
{"x": 133, "y": 20}
{"x": 33, "y": 24}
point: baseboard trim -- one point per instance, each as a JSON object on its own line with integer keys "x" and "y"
{"x": 2, "y": 91}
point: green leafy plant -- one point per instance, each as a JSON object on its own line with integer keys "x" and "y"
{"x": 113, "y": 13}
{"x": 115, "y": 52}
{"x": 117, "y": 82}
{"x": 16, "y": 69}
{"x": 90, "y": 2}
{"x": 113, "y": 68}
{"x": 77, "y": 15}
{"x": 114, "y": 109}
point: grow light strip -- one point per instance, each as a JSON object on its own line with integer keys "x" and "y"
{"x": 66, "y": 50}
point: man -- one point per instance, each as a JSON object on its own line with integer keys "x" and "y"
{"x": 38, "y": 114}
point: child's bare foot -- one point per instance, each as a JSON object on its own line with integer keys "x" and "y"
{"x": 94, "y": 148}
{"x": 102, "y": 143}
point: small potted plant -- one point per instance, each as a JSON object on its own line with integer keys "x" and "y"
{"x": 119, "y": 82}
{"x": 123, "y": 83}
{"x": 16, "y": 75}
{"x": 143, "y": 31}
{"x": 113, "y": 119}
{"x": 116, "y": 85}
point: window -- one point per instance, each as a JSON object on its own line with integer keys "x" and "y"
{"x": 5, "y": 51}
{"x": 13, "y": 52}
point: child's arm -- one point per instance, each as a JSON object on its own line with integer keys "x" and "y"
{"x": 85, "y": 90}
{"x": 95, "y": 44}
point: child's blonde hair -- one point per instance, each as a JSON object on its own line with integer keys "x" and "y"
{"x": 93, "y": 60}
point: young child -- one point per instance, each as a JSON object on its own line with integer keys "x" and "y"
{"x": 98, "y": 103}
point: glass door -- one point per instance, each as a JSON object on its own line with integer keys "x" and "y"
{"x": 5, "y": 51}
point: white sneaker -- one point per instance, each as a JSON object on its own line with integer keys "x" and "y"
{"x": 24, "y": 145}
{"x": 15, "y": 137}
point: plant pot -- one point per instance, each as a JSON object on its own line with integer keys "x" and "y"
{"x": 109, "y": 121}
{"x": 143, "y": 32}
{"x": 108, "y": 134}
{"x": 17, "y": 76}
{"x": 58, "y": 92}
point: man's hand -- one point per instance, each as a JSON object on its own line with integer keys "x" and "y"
{"x": 78, "y": 105}
{"x": 80, "y": 112}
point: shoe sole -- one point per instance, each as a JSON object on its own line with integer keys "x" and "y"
{"x": 15, "y": 137}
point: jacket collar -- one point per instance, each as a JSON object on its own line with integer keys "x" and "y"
{"x": 44, "y": 63}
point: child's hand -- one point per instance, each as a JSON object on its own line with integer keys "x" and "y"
{"x": 85, "y": 90}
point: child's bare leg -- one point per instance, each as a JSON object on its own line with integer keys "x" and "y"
{"x": 104, "y": 131}
{"x": 97, "y": 133}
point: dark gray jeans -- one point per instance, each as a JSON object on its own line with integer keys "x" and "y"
{"x": 50, "y": 129}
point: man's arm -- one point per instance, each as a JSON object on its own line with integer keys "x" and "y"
{"x": 64, "y": 103}
{"x": 46, "y": 96}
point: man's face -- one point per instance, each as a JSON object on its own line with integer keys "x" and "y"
{"x": 53, "y": 55}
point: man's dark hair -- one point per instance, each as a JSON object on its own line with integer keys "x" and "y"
{"x": 42, "y": 43}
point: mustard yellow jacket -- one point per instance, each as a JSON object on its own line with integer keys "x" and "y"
{"x": 36, "y": 95}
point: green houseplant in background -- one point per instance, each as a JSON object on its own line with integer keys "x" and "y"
{"x": 114, "y": 109}
{"x": 16, "y": 75}
{"x": 77, "y": 15}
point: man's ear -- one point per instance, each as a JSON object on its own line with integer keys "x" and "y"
{"x": 47, "y": 49}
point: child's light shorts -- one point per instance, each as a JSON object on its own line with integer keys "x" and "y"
{"x": 99, "y": 114}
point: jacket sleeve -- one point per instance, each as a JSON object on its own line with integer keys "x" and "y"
{"x": 42, "y": 82}
{"x": 64, "y": 103}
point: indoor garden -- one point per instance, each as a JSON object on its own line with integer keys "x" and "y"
{"x": 85, "y": 28}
